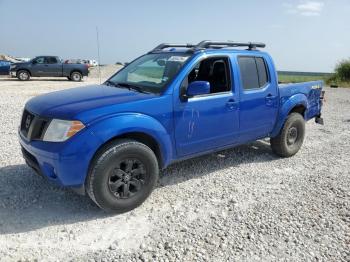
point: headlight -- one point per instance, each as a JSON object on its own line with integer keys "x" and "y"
{"x": 61, "y": 130}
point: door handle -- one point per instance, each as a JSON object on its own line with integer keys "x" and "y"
{"x": 231, "y": 104}
{"x": 269, "y": 99}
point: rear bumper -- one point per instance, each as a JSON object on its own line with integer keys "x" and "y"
{"x": 319, "y": 120}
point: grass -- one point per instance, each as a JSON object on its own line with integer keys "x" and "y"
{"x": 339, "y": 83}
{"x": 298, "y": 78}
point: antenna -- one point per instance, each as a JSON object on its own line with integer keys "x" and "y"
{"x": 98, "y": 54}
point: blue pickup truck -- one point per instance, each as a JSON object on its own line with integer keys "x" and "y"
{"x": 176, "y": 102}
{"x": 4, "y": 67}
{"x": 48, "y": 66}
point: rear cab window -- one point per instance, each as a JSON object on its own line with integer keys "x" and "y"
{"x": 51, "y": 60}
{"x": 253, "y": 71}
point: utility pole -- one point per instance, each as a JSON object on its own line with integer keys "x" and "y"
{"x": 98, "y": 54}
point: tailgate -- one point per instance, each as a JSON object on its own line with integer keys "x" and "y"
{"x": 315, "y": 99}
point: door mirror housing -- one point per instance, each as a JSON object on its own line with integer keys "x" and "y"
{"x": 198, "y": 88}
{"x": 34, "y": 62}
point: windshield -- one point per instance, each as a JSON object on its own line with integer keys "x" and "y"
{"x": 150, "y": 73}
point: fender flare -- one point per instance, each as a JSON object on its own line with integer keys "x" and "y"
{"x": 130, "y": 123}
{"x": 23, "y": 68}
{"x": 286, "y": 108}
{"x": 75, "y": 70}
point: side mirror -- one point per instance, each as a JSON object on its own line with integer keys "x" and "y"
{"x": 198, "y": 88}
{"x": 34, "y": 62}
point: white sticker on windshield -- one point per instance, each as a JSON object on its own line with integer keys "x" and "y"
{"x": 178, "y": 58}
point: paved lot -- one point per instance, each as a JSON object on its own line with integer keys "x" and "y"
{"x": 242, "y": 204}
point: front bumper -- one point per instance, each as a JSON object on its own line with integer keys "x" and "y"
{"x": 65, "y": 164}
{"x": 13, "y": 73}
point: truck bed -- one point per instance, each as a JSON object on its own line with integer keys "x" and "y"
{"x": 312, "y": 92}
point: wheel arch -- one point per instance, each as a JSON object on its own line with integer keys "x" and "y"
{"x": 141, "y": 137}
{"x": 75, "y": 70}
{"x": 24, "y": 69}
{"x": 141, "y": 128}
{"x": 297, "y": 103}
{"x": 300, "y": 108}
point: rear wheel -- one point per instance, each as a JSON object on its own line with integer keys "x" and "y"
{"x": 122, "y": 176}
{"x": 291, "y": 137}
{"x": 76, "y": 76}
{"x": 23, "y": 75}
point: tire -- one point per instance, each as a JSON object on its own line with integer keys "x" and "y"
{"x": 290, "y": 139}
{"x": 76, "y": 76}
{"x": 23, "y": 75}
{"x": 120, "y": 165}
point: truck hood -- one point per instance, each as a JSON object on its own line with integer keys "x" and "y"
{"x": 18, "y": 64}
{"x": 67, "y": 104}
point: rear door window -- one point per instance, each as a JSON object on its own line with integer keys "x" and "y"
{"x": 253, "y": 72}
{"x": 262, "y": 72}
{"x": 51, "y": 60}
{"x": 249, "y": 74}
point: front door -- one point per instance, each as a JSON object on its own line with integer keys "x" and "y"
{"x": 207, "y": 122}
{"x": 39, "y": 67}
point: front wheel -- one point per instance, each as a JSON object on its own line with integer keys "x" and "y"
{"x": 122, "y": 176}
{"x": 290, "y": 139}
{"x": 23, "y": 75}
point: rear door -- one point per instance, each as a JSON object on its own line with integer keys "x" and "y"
{"x": 54, "y": 66}
{"x": 258, "y": 97}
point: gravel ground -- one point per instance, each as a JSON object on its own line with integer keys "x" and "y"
{"x": 243, "y": 204}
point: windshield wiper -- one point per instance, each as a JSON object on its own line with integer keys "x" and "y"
{"x": 109, "y": 83}
{"x": 131, "y": 87}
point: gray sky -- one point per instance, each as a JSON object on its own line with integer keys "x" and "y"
{"x": 300, "y": 35}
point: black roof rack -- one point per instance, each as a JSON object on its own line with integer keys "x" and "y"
{"x": 164, "y": 45}
{"x": 219, "y": 44}
{"x": 212, "y": 44}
